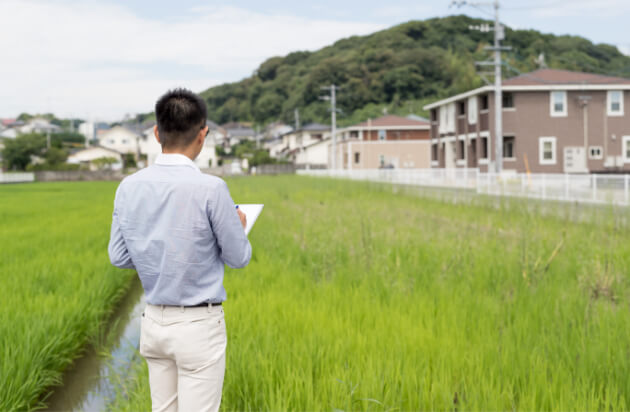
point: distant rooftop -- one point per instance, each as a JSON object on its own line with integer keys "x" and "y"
{"x": 391, "y": 121}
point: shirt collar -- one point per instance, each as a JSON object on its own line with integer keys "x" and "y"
{"x": 175, "y": 159}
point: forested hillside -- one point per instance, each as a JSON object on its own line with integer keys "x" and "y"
{"x": 398, "y": 69}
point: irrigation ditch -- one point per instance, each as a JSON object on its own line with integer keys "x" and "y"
{"x": 90, "y": 382}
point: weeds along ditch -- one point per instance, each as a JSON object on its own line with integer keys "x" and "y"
{"x": 357, "y": 298}
{"x": 56, "y": 283}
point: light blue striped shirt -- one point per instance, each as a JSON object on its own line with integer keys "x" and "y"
{"x": 177, "y": 227}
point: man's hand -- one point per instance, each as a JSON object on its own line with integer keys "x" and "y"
{"x": 243, "y": 218}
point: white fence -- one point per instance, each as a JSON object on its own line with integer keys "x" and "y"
{"x": 565, "y": 187}
{"x": 459, "y": 178}
{"x": 18, "y": 177}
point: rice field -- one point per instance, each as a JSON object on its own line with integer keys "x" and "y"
{"x": 360, "y": 299}
{"x": 356, "y": 298}
{"x": 56, "y": 283}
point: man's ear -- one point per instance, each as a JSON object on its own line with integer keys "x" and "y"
{"x": 202, "y": 136}
{"x": 157, "y": 134}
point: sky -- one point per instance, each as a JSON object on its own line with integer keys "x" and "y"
{"x": 102, "y": 60}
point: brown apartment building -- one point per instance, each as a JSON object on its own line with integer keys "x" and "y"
{"x": 389, "y": 141}
{"x": 554, "y": 121}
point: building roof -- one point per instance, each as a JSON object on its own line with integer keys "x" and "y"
{"x": 557, "y": 77}
{"x": 315, "y": 127}
{"x": 95, "y": 147}
{"x": 390, "y": 120}
{"x": 546, "y": 79}
{"x": 241, "y": 132}
{"x": 310, "y": 127}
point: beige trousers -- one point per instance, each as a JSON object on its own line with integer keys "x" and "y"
{"x": 185, "y": 351}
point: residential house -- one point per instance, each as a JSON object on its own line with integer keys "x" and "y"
{"x": 389, "y": 141}
{"x": 39, "y": 125}
{"x": 89, "y": 155}
{"x": 314, "y": 155}
{"x": 276, "y": 130}
{"x": 295, "y": 140}
{"x": 121, "y": 139}
{"x": 236, "y": 132}
{"x": 554, "y": 121}
{"x": 11, "y": 123}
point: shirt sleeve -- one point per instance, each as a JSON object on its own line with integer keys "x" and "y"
{"x": 117, "y": 249}
{"x": 235, "y": 249}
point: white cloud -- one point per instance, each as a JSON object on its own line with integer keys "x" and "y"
{"x": 87, "y": 58}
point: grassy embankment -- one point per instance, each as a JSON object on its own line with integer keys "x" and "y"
{"x": 56, "y": 282}
{"x": 358, "y": 299}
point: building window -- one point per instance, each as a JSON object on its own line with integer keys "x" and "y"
{"x": 461, "y": 153}
{"x": 626, "y": 149}
{"x": 484, "y": 102}
{"x": 615, "y": 103}
{"x": 484, "y": 148}
{"x": 357, "y": 157}
{"x": 461, "y": 108}
{"x": 450, "y": 119}
{"x": 354, "y": 133}
{"x": 508, "y": 100}
{"x": 381, "y": 135}
{"x": 434, "y": 115}
{"x": 595, "y": 152}
{"x": 508, "y": 147}
{"x": 558, "y": 103}
{"x": 472, "y": 110}
{"x": 434, "y": 152}
{"x": 547, "y": 150}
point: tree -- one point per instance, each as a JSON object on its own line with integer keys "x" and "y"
{"x": 55, "y": 156}
{"x": 17, "y": 152}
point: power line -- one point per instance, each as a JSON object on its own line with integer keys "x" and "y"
{"x": 499, "y": 34}
{"x": 333, "y": 113}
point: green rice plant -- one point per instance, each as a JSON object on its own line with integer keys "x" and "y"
{"x": 360, "y": 299}
{"x": 56, "y": 283}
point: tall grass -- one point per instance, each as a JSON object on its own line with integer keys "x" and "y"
{"x": 358, "y": 299}
{"x": 56, "y": 283}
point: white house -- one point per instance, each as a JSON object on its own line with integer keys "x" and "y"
{"x": 87, "y": 157}
{"x": 88, "y": 130}
{"x": 298, "y": 139}
{"x": 39, "y": 125}
{"x": 313, "y": 156}
{"x": 120, "y": 139}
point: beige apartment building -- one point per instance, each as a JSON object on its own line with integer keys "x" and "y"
{"x": 387, "y": 142}
{"x": 554, "y": 121}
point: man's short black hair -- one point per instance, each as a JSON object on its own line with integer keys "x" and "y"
{"x": 180, "y": 114}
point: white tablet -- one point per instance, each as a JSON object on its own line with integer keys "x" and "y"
{"x": 252, "y": 211}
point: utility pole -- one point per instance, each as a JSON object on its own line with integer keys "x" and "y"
{"x": 296, "y": 115}
{"x": 499, "y": 34}
{"x": 333, "y": 113}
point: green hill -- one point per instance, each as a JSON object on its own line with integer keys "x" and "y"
{"x": 398, "y": 69}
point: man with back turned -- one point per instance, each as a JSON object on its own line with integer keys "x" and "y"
{"x": 177, "y": 227}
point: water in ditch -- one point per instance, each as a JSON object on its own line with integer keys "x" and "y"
{"x": 89, "y": 383}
